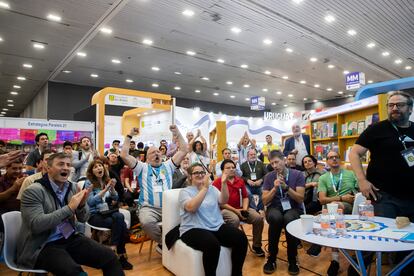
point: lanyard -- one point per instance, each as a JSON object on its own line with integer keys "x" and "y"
{"x": 336, "y": 186}
{"x": 400, "y": 137}
{"x": 286, "y": 181}
{"x": 158, "y": 179}
{"x": 254, "y": 167}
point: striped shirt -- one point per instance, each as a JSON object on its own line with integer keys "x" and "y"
{"x": 153, "y": 181}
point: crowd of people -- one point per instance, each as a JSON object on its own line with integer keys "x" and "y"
{"x": 68, "y": 188}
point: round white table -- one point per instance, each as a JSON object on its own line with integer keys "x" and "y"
{"x": 359, "y": 241}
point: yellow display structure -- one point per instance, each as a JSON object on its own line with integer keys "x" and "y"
{"x": 142, "y": 100}
{"x": 218, "y": 140}
{"x": 343, "y": 137}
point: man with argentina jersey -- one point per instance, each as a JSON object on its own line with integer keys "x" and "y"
{"x": 154, "y": 177}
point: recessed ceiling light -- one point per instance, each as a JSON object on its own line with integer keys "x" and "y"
{"x": 285, "y": 105}
{"x": 17, "y": 86}
{"x": 205, "y": 78}
{"x": 313, "y": 59}
{"x": 106, "y": 30}
{"x": 328, "y": 89}
{"x": 385, "y": 54}
{"x": 305, "y": 99}
{"x": 290, "y": 95}
{"x": 38, "y": 46}
{"x": 371, "y": 45}
{"x": 147, "y": 41}
{"x": 351, "y": 32}
{"x": 265, "y": 89}
{"x": 191, "y": 53}
{"x": 289, "y": 50}
{"x": 94, "y": 75}
{"x": 116, "y": 61}
{"x": 197, "y": 91}
{"x": 329, "y": 18}
{"x": 267, "y": 41}
{"x": 177, "y": 73}
{"x": 155, "y": 68}
{"x": 5, "y": 109}
{"x": 26, "y": 65}
{"x": 398, "y": 61}
{"x": 229, "y": 82}
{"x": 267, "y": 72}
{"x": 244, "y": 66}
{"x": 340, "y": 92}
{"x": 14, "y": 93}
{"x": 315, "y": 101}
{"x": 11, "y": 105}
{"x": 331, "y": 66}
{"x": 316, "y": 85}
{"x": 21, "y": 78}
{"x": 302, "y": 81}
{"x": 177, "y": 88}
{"x": 247, "y": 99}
{"x": 370, "y": 81}
{"x": 3, "y": 112}
{"x": 67, "y": 71}
{"x": 279, "y": 92}
{"x": 4, "y": 5}
{"x": 232, "y": 96}
{"x": 350, "y": 95}
{"x": 346, "y": 72}
{"x": 188, "y": 13}
{"x": 273, "y": 103}
{"x": 81, "y": 54}
{"x": 285, "y": 77}
{"x": 129, "y": 80}
{"x": 236, "y": 30}
{"x": 216, "y": 94}
{"x": 219, "y": 60}
{"x": 155, "y": 85}
{"x": 9, "y": 101}
{"x": 297, "y": 1}
{"x": 408, "y": 67}
{"x": 1, "y": 39}
{"x": 54, "y": 17}
{"x": 246, "y": 85}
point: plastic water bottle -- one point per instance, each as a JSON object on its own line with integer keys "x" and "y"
{"x": 325, "y": 223}
{"x": 340, "y": 223}
{"x": 361, "y": 211}
{"x": 369, "y": 210}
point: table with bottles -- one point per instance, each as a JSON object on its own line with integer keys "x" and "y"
{"x": 355, "y": 234}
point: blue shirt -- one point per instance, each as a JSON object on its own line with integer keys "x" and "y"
{"x": 60, "y": 194}
{"x": 95, "y": 201}
{"x": 208, "y": 216}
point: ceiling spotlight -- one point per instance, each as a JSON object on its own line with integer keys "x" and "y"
{"x": 21, "y": 78}
{"x": 285, "y": 105}
{"x": 305, "y": 99}
{"x": 285, "y": 77}
{"x": 4, "y": 5}
{"x": 316, "y": 85}
{"x": 371, "y": 45}
{"x": 94, "y": 75}
{"x": 155, "y": 85}
{"x": 54, "y": 17}
{"x": 38, "y": 46}
{"x": 279, "y": 92}
{"x": 267, "y": 41}
{"x": 1, "y": 39}
{"x": 191, "y": 53}
{"x": 14, "y": 93}
{"x": 129, "y": 81}
{"x": 246, "y": 85}
{"x": 155, "y": 68}
{"x": 106, "y": 30}
{"x": 188, "y": 13}
{"x": 219, "y": 60}
{"x": 232, "y": 96}
{"x": 244, "y": 66}
{"x": 385, "y": 54}
{"x": 17, "y": 86}
{"x": 398, "y": 61}
{"x": 370, "y": 81}
{"x": 9, "y": 101}
{"x": 26, "y": 65}
{"x": 408, "y": 67}
{"x": 216, "y": 94}
{"x": 147, "y": 41}
{"x": 313, "y": 59}
{"x": 346, "y": 72}
{"x": 235, "y": 30}
{"x": 340, "y": 92}
{"x": 177, "y": 88}
{"x": 116, "y": 61}
{"x": 81, "y": 54}
{"x": 297, "y": 1}
{"x": 11, "y": 105}
{"x": 177, "y": 73}
{"x": 265, "y": 89}
{"x": 289, "y": 50}
{"x": 67, "y": 71}
{"x": 290, "y": 95}
{"x": 315, "y": 101}
{"x": 197, "y": 91}
{"x": 303, "y": 82}
{"x": 329, "y": 18}
{"x": 5, "y": 109}
{"x": 229, "y": 82}
{"x": 273, "y": 103}
{"x": 267, "y": 72}
{"x": 247, "y": 99}
{"x": 352, "y": 32}
{"x": 328, "y": 89}
{"x": 205, "y": 78}
{"x": 331, "y": 66}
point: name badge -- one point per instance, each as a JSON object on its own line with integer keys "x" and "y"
{"x": 133, "y": 184}
{"x": 158, "y": 187}
{"x": 253, "y": 176}
{"x": 66, "y": 229}
{"x": 408, "y": 155}
{"x": 286, "y": 204}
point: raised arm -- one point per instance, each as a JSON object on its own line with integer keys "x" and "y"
{"x": 129, "y": 160}
{"x": 182, "y": 145}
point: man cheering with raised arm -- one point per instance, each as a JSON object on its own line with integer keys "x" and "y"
{"x": 154, "y": 177}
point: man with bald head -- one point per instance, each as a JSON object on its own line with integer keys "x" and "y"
{"x": 298, "y": 144}
{"x": 154, "y": 177}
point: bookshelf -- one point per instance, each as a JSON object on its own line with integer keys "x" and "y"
{"x": 338, "y": 128}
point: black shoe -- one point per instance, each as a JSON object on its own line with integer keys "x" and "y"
{"x": 333, "y": 268}
{"x": 314, "y": 250}
{"x": 269, "y": 267}
{"x": 258, "y": 251}
{"x": 124, "y": 263}
{"x": 293, "y": 268}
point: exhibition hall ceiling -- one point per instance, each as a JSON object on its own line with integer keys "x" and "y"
{"x": 289, "y": 51}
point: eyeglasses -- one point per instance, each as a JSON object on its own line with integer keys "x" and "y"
{"x": 232, "y": 168}
{"x": 199, "y": 173}
{"x": 398, "y": 105}
{"x": 333, "y": 157}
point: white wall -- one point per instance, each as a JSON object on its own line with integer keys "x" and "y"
{"x": 37, "y": 108}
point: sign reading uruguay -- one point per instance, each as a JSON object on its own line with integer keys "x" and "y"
{"x": 354, "y": 80}
{"x": 257, "y": 103}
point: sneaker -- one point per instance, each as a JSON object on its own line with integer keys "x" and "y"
{"x": 269, "y": 267}
{"x": 258, "y": 251}
{"x": 158, "y": 248}
{"x": 314, "y": 250}
{"x": 124, "y": 263}
{"x": 333, "y": 268}
{"x": 293, "y": 268}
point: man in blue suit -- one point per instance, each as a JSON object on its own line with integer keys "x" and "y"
{"x": 298, "y": 144}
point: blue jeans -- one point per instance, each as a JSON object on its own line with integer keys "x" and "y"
{"x": 255, "y": 191}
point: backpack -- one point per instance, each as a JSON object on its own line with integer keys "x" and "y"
{"x": 137, "y": 234}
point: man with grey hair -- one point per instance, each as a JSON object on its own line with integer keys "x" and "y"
{"x": 391, "y": 168}
{"x": 298, "y": 144}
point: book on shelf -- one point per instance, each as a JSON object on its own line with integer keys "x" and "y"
{"x": 321, "y": 149}
{"x": 352, "y": 128}
{"x": 361, "y": 127}
{"x": 323, "y": 129}
{"x": 344, "y": 129}
{"x": 364, "y": 158}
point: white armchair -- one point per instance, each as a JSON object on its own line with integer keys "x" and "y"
{"x": 182, "y": 259}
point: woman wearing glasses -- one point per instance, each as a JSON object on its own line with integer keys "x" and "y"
{"x": 202, "y": 226}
